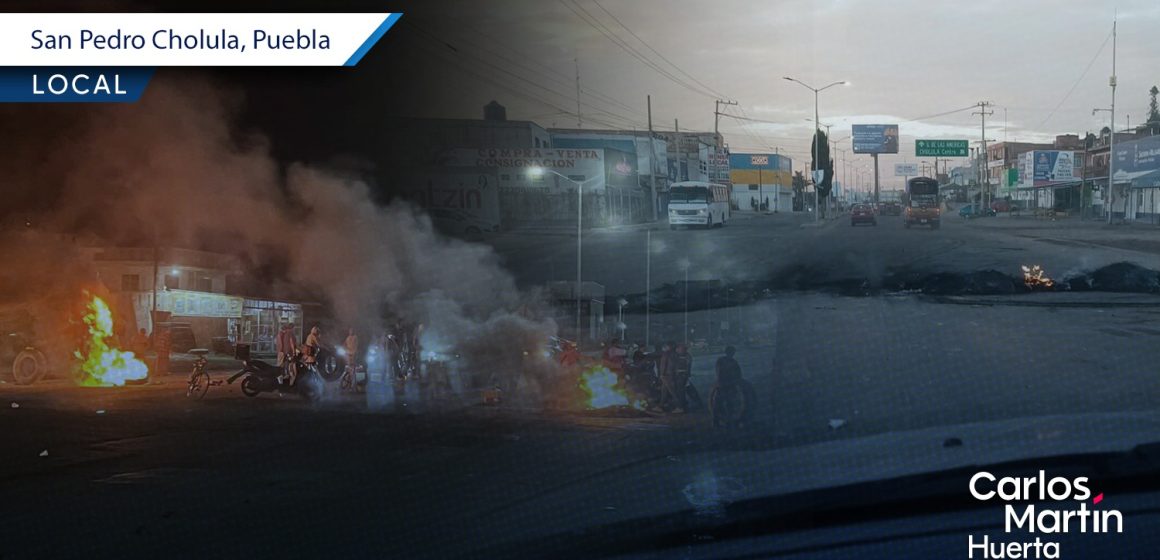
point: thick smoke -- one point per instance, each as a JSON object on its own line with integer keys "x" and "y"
{"x": 175, "y": 167}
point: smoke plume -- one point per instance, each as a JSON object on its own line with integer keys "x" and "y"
{"x": 176, "y": 167}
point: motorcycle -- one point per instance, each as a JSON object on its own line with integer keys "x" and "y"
{"x": 259, "y": 377}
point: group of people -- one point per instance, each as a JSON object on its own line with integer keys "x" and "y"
{"x": 288, "y": 349}
{"x": 664, "y": 375}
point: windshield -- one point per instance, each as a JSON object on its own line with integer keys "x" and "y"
{"x": 469, "y": 273}
{"x": 690, "y": 194}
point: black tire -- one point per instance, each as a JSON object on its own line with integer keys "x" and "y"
{"x": 250, "y": 386}
{"x": 28, "y": 367}
{"x": 330, "y": 366}
{"x": 198, "y": 384}
{"x": 673, "y": 228}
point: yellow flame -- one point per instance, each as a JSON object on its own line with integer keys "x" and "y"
{"x": 1035, "y": 277}
{"x": 102, "y": 365}
{"x": 599, "y": 383}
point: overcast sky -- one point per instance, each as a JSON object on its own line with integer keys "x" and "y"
{"x": 905, "y": 59}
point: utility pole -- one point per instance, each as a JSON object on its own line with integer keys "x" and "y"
{"x": 579, "y": 121}
{"x": 680, "y": 148}
{"x": 1112, "y": 139}
{"x": 717, "y": 112}
{"x": 986, "y": 185}
{"x": 652, "y": 162}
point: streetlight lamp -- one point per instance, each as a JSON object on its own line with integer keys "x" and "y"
{"x": 539, "y": 172}
{"x": 816, "y": 123}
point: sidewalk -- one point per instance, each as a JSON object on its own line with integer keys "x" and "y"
{"x": 1074, "y": 232}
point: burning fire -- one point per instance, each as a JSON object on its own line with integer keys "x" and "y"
{"x": 102, "y": 365}
{"x": 599, "y": 383}
{"x": 1034, "y": 277}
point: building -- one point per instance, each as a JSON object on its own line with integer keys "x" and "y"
{"x": 1095, "y": 174}
{"x": 761, "y": 180}
{"x": 651, "y": 159}
{"x": 192, "y": 288}
{"x": 1137, "y": 172}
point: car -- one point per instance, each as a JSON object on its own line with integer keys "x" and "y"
{"x": 972, "y": 211}
{"x": 891, "y": 209}
{"x": 863, "y": 214}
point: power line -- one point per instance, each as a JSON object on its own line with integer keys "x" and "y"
{"x": 509, "y": 88}
{"x": 1076, "y": 84}
{"x": 595, "y": 23}
{"x": 548, "y": 71}
{"x": 654, "y": 51}
{"x": 465, "y": 53}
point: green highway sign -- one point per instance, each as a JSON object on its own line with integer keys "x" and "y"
{"x": 941, "y": 148}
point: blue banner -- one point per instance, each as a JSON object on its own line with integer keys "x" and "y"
{"x": 875, "y": 138}
{"x": 73, "y": 85}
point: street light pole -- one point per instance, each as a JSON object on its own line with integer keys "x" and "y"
{"x": 537, "y": 171}
{"x": 817, "y": 197}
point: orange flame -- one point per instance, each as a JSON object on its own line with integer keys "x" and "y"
{"x": 102, "y": 365}
{"x": 1035, "y": 277}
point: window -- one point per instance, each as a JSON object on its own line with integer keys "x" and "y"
{"x": 172, "y": 282}
{"x": 130, "y": 282}
{"x": 204, "y": 284}
{"x": 753, "y": 187}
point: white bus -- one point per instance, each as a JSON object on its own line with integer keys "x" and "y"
{"x": 696, "y": 203}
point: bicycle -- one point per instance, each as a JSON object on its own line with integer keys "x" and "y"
{"x": 199, "y": 379}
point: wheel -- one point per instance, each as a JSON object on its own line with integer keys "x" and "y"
{"x": 28, "y": 367}
{"x": 250, "y": 386}
{"x": 198, "y": 384}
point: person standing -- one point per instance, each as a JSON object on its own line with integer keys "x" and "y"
{"x": 672, "y": 393}
{"x": 350, "y": 346}
{"x": 286, "y": 346}
{"x": 683, "y": 365}
{"x": 310, "y": 349}
{"x": 729, "y": 401}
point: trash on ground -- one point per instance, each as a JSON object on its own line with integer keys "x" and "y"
{"x": 15, "y": 405}
{"x": 837, "y": 423}
{"x": 44, "y": 453}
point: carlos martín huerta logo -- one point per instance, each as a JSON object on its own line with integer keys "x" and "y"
{"x": 1035, "y": 506}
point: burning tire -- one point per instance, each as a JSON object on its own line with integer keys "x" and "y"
{"x": 28, "y": 367}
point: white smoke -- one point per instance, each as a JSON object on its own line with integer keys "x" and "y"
{"x": 175, "y": 165}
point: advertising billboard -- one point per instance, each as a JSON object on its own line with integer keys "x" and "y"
{"x": 1049, "y": 167}
{"x": 1138, "y": 156}
{"x": 875, "y": 138}
{"x": 906, "y": 170}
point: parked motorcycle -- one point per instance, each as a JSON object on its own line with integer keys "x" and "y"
{"x": 259, "y": 377}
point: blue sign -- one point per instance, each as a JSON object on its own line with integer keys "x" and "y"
{"x": 1138, "y": 156}
{"x": 72, "y": 85}
{"x": 875, "y": 138}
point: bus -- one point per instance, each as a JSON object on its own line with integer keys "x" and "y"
{"x": 696, "y": 203}
{"x": 922, "y": 203}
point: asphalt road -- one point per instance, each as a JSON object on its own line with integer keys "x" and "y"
{"x": 145, "y": 472}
